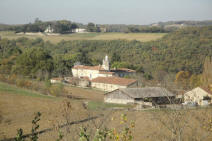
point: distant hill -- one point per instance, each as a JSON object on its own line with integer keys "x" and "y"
{"x": 65, "y": 26}
{"x": 183, "y": 23}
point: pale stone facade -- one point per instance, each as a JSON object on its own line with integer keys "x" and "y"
{"x": 106, "y": 64}
{"x": 112, "y": 83}
{"x": 101, "y": 77}
{"x": 117, "y": 97}
{"x": 56, "y": 80}
{"x": 107, "y": 87}
{"x": 103, "y": 70}
{"x": 79, "y": 30}
{"x": 81, "y": 72}
{"x": 198, "y": 96}
{"x": 49, "y": 29}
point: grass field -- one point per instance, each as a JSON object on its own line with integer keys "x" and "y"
{"x": 143, "y": 37}
{"x": 17, "y": 111}
{"x": 11, "y": 89}
{"x": 18, "y": 107}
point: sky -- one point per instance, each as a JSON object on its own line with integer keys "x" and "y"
{"x": 104, "y": 11}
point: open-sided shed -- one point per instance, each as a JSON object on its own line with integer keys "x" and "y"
{"x": 146, "y": 95}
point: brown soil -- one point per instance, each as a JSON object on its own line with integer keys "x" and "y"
{"x": 18, "y": 111}
{"x": 86, "y": 93}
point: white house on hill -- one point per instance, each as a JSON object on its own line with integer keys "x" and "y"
{"x": 49, "y": 29}
{"x": 104, "y": 78}
{"x": 199, "y": 96}
{"x": 145, "y": 96}
{"x": 103, "y": 70}
{"x": 79, "y": 30}
{"x": 112, "y": 83}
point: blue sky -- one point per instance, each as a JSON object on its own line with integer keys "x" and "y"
{"x": 104, "y": 11}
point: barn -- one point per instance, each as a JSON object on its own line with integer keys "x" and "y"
{"x": 145, "y": 96}
{"x": 112, "y": 83}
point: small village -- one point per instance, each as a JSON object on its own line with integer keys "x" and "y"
{"x": 109, "y": 70}
{"x": 121, "y": 90}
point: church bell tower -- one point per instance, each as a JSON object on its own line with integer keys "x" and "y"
{"x": 106, "y": 63}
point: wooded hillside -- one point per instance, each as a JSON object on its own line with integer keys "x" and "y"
{"x": 184, "y": 49}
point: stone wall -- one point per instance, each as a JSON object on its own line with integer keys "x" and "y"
{"x": 106, "y": 87}
{"x": 119, "y": 101}
{"x": 118, "y": 97}
{"x": 84, "y": 83}
{"x": 91, "y": 74}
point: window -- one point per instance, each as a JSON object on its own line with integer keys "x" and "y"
{"x": 138, "y": 99}
{"x": 206, "y": 98}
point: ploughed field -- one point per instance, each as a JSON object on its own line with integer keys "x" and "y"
{"x": 17, "y": 111}
{"x": 143, "y": 37}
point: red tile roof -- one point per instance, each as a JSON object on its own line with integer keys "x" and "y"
{"x": 114, "y": 80}
{"x": 87, "y": 67}
{"x": 58, "y": 79}
{"x": 126, "y": 69}
{"x": 122, "y": 70}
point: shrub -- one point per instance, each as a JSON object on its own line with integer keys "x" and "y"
{"x": 12, "y": 79}
{"x": 2, "y": 77}
{"x": 56, "y": 90}
{"x": 113, "y": 134}
{"x": 148, "y": 76}
{"x": 20, "y": 83}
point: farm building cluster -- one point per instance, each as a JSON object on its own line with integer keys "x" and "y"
{"x": 101, "y": 77}
{"x": 154, "y": 96}
{"x": 121, "y": 90}
{"x": 50, "y": 30}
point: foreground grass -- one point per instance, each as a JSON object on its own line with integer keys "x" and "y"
{"x": 94, "y": 105}
{"x": 11, "y": 89}
{"x": 143, "y": 37}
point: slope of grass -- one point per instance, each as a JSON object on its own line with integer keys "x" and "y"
{"x": 11, "y": 89}
{"x": 94, "y": 105}
{"x": 143, "y": 37}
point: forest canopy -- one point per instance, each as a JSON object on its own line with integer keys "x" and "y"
{"x": 182, "y": 50}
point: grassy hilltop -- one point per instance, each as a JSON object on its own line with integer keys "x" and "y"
{"x": 143, "y": 37}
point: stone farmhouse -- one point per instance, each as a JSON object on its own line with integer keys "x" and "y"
{"x": 104, "y": 78}
{"x": 103, "y": 70}
{"x": 112, "y": 83}
{"x": 198, "y": 96}
{"x": 149, "y": 96}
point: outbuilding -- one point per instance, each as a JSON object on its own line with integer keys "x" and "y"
{"x": 198, "y": 96}
{"x": 56, "y": 80}
{"x": 112, "y": 83}
{"x": 144, "y": 96}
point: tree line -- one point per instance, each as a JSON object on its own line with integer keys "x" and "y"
{"x": 62, "y": 26}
